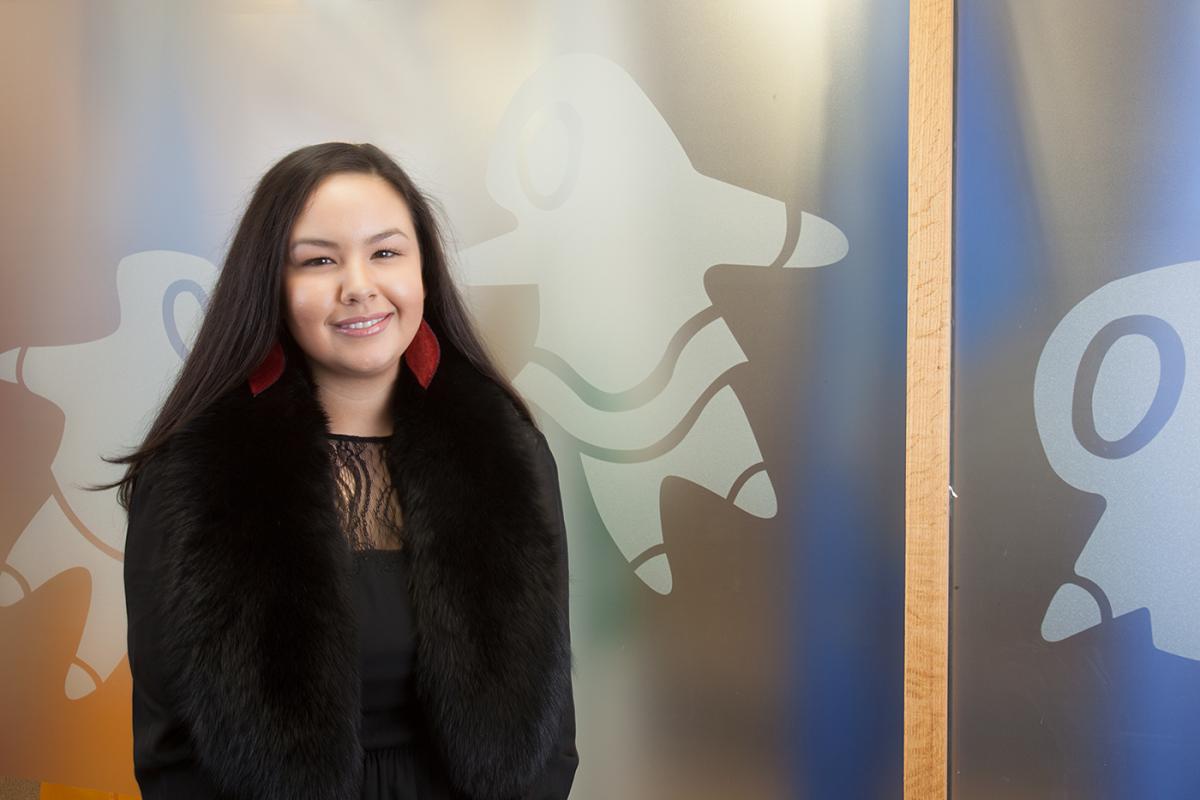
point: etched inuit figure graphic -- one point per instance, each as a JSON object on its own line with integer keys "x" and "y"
{"x": 107, "y": 390}
{"x": 617, "y": 228}
{"x": 1118, "y": 411}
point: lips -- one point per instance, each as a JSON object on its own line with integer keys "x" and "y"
{"x": 363, "y": 326}
{"x": 353, "y": 320}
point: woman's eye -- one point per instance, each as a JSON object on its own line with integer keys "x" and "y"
{"x": 386, "y": 253}
{"x": 315, "y": 261}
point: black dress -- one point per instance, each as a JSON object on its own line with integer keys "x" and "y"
{"x": 399, "y": 762}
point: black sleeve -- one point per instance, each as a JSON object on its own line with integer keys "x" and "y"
{"x": 556, "y": 778}
{"x": 559, "y": 773}
{"x": 163, "y": 760}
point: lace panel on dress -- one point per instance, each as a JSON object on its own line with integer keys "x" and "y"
{"x": 366, "y": 499}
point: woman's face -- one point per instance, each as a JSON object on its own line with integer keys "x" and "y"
{"x": 353, "y": 295}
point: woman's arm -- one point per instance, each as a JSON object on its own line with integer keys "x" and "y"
{"x": 559, "y": 773}
{"x": 556, "y": 778}
{"x": 163, "y": 761}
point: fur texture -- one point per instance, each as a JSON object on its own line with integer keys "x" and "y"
{"x": 260, "y": 646}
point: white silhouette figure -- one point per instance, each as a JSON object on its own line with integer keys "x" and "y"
{"x": 1118, "y": 411}
{"x": 617, "y": 228}
{"x": 108, "y": 391}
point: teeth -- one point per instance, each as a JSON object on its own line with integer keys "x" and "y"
{"x": 361, "y": 325}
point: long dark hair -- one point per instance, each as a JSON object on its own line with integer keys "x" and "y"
{"x": 244, "y": 316}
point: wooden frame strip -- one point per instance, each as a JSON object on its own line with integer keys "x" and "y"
{"x": 927, "y": 450}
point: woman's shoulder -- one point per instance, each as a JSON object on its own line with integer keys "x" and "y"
{"x": 463, "y": 391}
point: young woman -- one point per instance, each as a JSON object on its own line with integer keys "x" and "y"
{"x": 345, "y": 566}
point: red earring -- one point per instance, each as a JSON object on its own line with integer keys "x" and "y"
{"x": 423, "y": 354}
{"x": 268, "y": 371}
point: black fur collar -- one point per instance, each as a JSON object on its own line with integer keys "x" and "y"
{"x": 259, "y": 617}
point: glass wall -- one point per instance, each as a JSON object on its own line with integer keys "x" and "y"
{"x": 682, "y": 226}
{"x": 1075, "y": 627}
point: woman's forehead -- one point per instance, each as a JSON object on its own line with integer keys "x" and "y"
{"x": 352, "y": 206}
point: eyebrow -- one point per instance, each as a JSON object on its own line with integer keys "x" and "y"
{"x": 379, "y": 237}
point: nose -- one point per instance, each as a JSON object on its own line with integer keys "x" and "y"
{"x": 357, "y": 281}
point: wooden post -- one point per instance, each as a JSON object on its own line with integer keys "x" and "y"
{"x": 927, "y": 461}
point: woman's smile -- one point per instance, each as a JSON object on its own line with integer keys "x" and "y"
{"x": 363, "y": 326}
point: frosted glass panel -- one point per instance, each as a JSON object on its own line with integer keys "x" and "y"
{"x": 1076, "y": 616}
